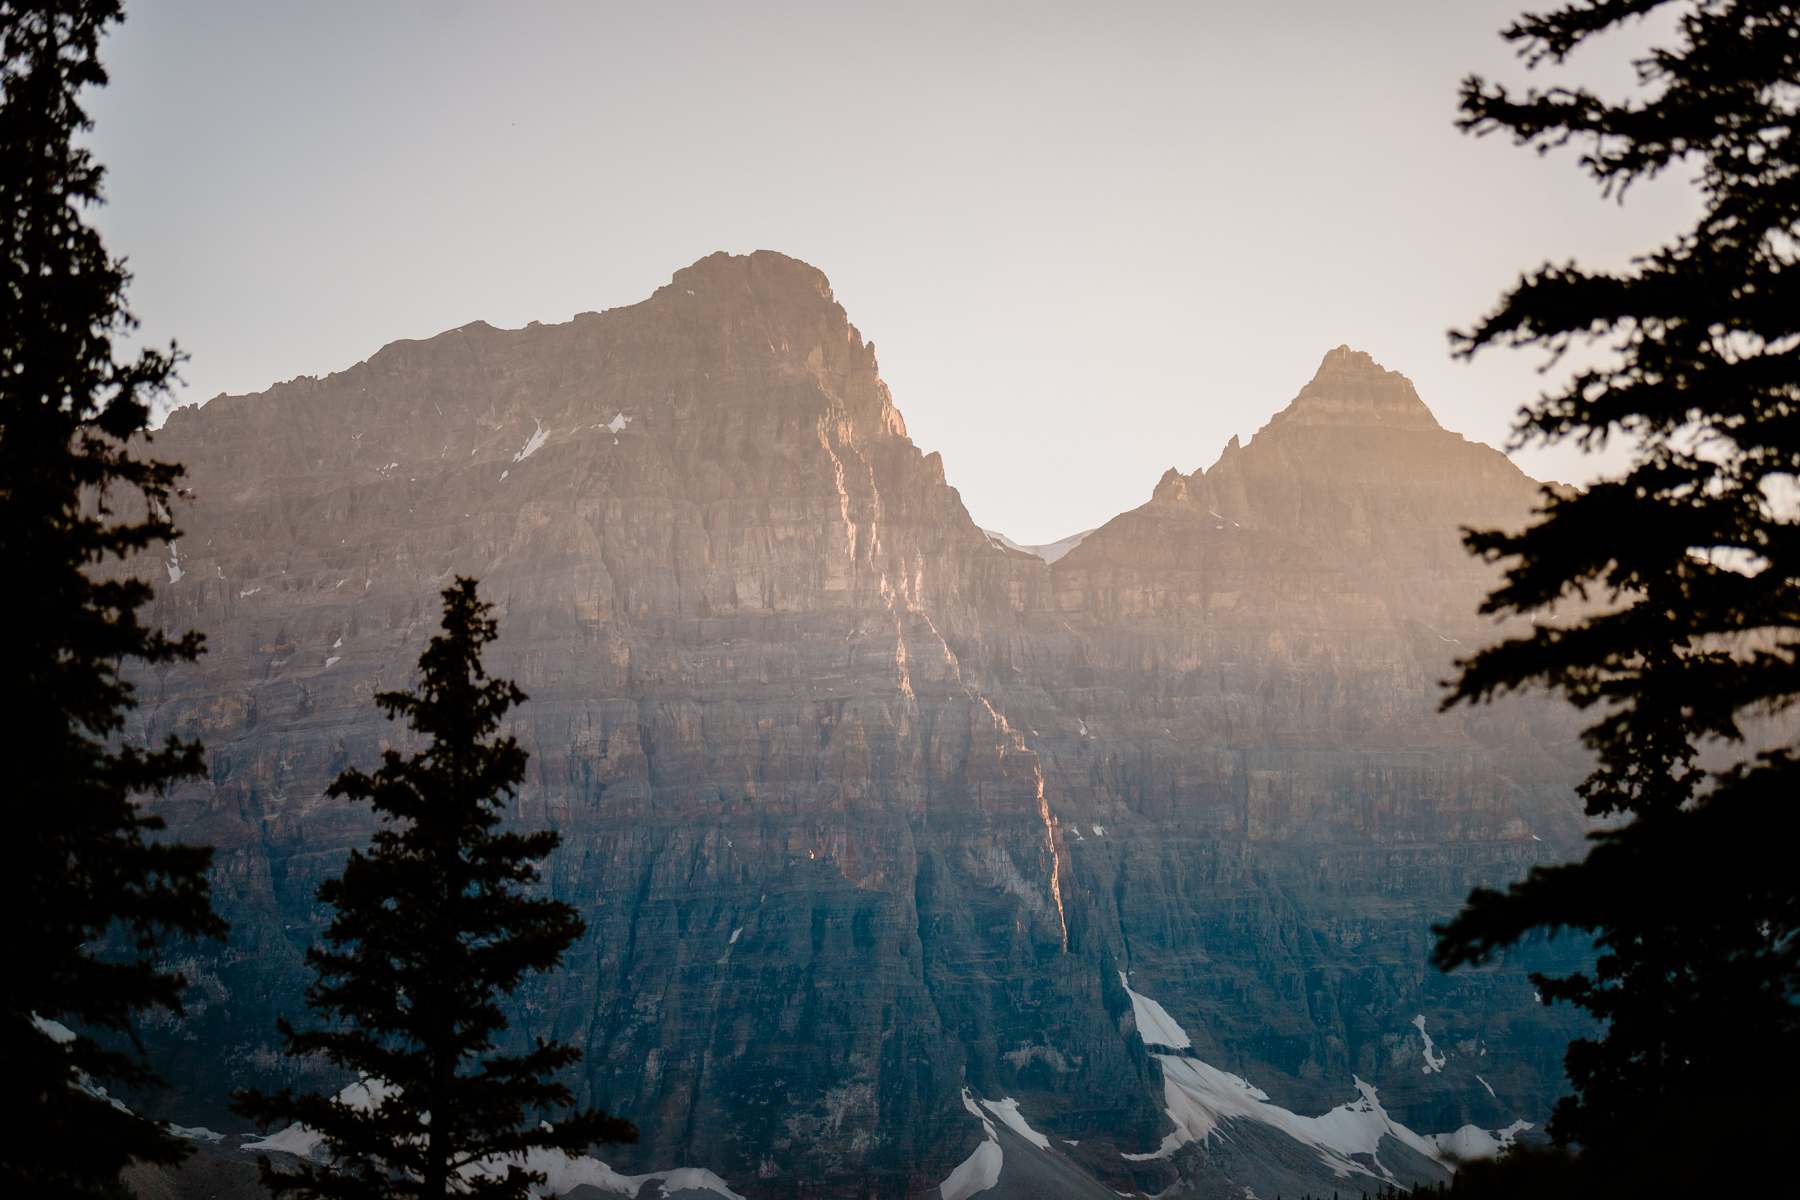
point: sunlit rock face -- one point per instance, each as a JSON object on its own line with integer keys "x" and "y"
{"x": 866, "y": 810}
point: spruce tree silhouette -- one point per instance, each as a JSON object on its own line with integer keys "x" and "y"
{"x": 89, "y": 894}
{"x": 1679, "y": 584}
{"x": 433, "y": 926}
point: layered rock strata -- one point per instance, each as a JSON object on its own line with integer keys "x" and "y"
{"x": 866, "y": 810}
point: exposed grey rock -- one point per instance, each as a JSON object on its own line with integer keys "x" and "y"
{"x": 862, "y": 808}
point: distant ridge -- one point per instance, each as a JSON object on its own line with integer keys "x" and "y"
{"x": 1048, "y": 551}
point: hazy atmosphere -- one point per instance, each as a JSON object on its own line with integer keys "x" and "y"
{"x": 531, "y": 703}
{"x": 1089, "y": 241}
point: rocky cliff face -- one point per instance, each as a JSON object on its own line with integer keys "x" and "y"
{"x": 878, "y": 823}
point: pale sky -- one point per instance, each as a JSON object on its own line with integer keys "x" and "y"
{"x": 1089, "y": 241}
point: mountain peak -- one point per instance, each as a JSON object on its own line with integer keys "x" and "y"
{"x": 1351, "y": 388}
{"x": 765, "y": 273}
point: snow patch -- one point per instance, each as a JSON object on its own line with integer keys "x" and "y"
{"x": 735, "y": 934}
{"x": 1434, "y": 1062}
{"x": 297, "y": 1140}
{"x": 1202, "y": 1100}
{"x": 197, "y": 1133}
{"x": 334, "y": 659}
{"x": 174, "y": 563}
{"x": 563, "y": 1172}
{"x": 981, "y": 1170}
{"x": 976, "y": 1173}
{"x": 533, "y": 444}
{"x": 62, "y": 1035}
{"x": 1007, "y": 1109}
{"x": 56, "y": 1031}
{"x": 1472, "y": 1143}
{"x": 365, "y": 1095}
{"x": 618, "y": 423}
{"x": 1154, "y": 1024}
{"x": 1484, "y": 1083}
{"x": 1201, "y": 1097}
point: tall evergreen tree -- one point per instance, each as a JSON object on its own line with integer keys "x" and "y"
{"x": 433, "y": 927}
{"x": 79, "y": 862}
{"x": 1678, "y": 581}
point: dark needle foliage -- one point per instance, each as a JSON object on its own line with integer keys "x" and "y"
{"x": 80, "y": 868}
{"x": 434, "y": 925}
{"x": 1668, "y": 598}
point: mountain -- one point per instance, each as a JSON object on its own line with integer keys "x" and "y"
{"x": 1048, "y": 551}
{"x": 910, "y": 860}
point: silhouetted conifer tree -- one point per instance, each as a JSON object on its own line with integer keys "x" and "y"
{"x": 79, "y": 867}
{"x": 1678, "y": 583}
{"x": 433, "y": 926}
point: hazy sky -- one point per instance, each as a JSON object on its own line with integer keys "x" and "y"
{"x": 1089, "y": 241}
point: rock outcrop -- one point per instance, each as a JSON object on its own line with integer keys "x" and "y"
{"x": 870, "y": 815}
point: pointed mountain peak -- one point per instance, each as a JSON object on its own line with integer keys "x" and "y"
{"x": 1351, "y": 388}
{"x": 1171, "y": 488}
